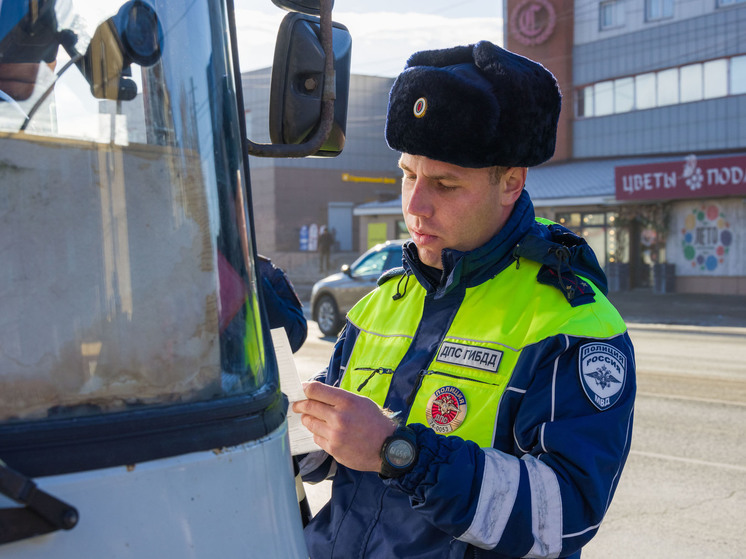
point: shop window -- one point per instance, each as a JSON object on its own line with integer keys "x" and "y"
{"x": 617, "y": 240}
{"x": 596, "y": 239}
{"x": 594, "y": 219}
{"x": 600, "y": 232}
{"x": 569, "y": 220}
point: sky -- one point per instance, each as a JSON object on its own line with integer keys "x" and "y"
{"x": 384, "y": 32}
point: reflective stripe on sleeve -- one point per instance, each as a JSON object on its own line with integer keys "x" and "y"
{"x": 546, "y": 509}
{"x": 502, "y": 474}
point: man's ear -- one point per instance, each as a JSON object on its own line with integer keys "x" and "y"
{"x": 514, "y": 179}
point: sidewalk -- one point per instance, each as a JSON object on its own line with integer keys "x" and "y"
{"x": 644, "y": 306}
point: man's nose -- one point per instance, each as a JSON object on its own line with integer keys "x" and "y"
{"x": 420, "y": 201}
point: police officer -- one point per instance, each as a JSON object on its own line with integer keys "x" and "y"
{"x": 479, "y": 402}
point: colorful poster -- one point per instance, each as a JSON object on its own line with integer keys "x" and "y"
{"x": 707, "y": 239}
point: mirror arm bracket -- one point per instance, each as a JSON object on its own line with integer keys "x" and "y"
{"x": 313, "y": 144}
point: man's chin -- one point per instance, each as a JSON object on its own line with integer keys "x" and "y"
{"x": 430, "y": 257}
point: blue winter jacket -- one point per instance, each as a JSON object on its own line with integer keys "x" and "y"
{"x": 562, "y": 429}
{"x": 283, "y": 306}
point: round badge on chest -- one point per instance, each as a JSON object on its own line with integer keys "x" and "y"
{"x": 446, "y": 409}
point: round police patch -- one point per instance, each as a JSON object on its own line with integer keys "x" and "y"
{"x": 603, "y": 370}
{"x": 420, "y": 107}
{"x": 446, "y": 409}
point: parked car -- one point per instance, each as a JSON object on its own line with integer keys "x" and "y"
{"x": 334, "y": 295}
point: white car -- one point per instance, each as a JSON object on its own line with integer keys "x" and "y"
{"x": 334, "y": 295}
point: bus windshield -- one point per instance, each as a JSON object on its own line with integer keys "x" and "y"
{"x": 126, "y": 275}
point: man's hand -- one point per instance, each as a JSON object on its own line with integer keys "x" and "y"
{"x": 351, "y": 428}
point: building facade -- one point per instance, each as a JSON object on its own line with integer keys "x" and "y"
{"x": 650, "y": 165}
{"x": 651, "y": 159}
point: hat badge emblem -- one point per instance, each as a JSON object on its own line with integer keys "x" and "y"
{"x": 420, "y": 107}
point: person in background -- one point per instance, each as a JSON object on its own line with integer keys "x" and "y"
{"x": 326, "y": 240}
{"x": 479, "y": 401}
{"x": 283, "y": 306}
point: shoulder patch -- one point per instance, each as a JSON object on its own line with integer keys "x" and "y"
{"x": 603, "y": 371}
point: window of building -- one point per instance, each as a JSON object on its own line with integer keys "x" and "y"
{"x": 668, "y": 87}
{"x": 624, "y": 95}
{"x": 597, "y": 228}
{"x": 690, "y": 83}
{"x": 401, "y": 229}
{"x": 738, "y": 75}
{"x": 603, "y": 93}
{"x": 569, "y": 220}
{"x": 716, "y": 78}
{"x": 611, "y": 14}
{"x": 658, "y": 9}
{"x": 645, "y": 91}
{"x": 585, "y": 102}
{"x": 723, "y": 3}
{"x": 685, "y": 84}
{"x": 593, "y": 219}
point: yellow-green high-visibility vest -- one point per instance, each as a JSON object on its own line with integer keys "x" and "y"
{"x": 460, "y": 391}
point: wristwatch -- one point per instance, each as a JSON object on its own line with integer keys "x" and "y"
{"x": 399, "y": 453}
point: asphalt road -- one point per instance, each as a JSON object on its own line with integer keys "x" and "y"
{"x": 683, "y": 492}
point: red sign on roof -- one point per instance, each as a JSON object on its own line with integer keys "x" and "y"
{"x": 688, "y": 178}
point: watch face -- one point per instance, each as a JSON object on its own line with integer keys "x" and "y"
{"x": 400, "y": 453}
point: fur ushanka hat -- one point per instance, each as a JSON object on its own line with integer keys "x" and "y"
{"x": 474, "y": 106}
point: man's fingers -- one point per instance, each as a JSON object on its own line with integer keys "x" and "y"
{"x": 313, "y": 407}
{"x": 315, "y": 425}
{"x": 324, "y": 393}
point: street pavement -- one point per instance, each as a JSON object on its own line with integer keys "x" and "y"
{"x": 644, "y": 306}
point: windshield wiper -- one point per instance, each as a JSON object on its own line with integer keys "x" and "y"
{"x": 42, "y": 514}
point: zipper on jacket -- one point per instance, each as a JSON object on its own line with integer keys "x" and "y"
{"x": 415, "y": 388}
{"x": 376, "y": 371}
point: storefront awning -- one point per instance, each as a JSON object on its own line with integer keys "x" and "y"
{"x": 582, "y": 183}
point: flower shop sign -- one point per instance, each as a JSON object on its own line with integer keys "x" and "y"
{"x": 690, "y": 178}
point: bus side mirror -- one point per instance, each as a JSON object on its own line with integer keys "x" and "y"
{"x": 309, "y": 87}
{"x": 298, "y": 80}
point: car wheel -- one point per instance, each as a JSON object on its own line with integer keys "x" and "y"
{"x": 327, "y": 315}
